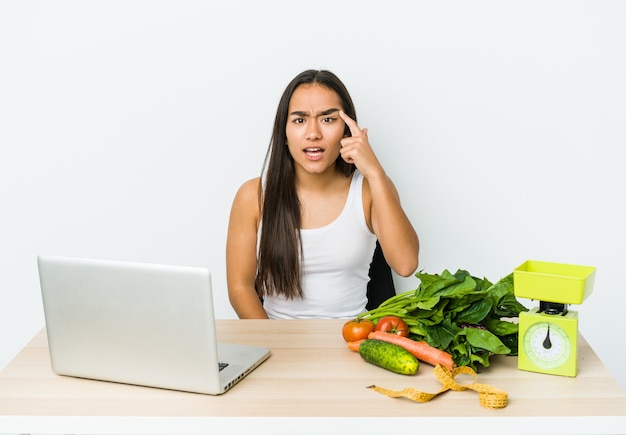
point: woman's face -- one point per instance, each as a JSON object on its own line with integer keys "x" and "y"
{"x": 314, "y": 128}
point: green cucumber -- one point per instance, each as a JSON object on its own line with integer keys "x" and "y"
{"x": 388, "y": 356}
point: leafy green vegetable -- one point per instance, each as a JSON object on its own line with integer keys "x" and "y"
{"x": 468, "y": 317}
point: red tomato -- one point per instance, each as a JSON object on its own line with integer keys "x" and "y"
{"x": 357, "y": 329}
{"x": 393, "y": 325}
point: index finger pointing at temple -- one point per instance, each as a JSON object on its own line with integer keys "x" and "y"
{"x": 352, "y": 125}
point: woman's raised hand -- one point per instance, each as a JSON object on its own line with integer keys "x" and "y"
{"x": 356, "y": 149}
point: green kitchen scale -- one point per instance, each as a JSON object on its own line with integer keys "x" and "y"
{"x": 548, "y": 334}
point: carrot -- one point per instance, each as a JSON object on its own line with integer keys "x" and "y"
{"x": 419, "y": 349}
{"x": 354, "y": 345}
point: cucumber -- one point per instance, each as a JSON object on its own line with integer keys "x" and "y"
{"x": 388, "y": 356}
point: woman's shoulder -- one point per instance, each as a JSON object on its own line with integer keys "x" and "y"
{"x": 246, "y": 204}
{"x": 251, "y": 185}
{"x": 250, "y": 190}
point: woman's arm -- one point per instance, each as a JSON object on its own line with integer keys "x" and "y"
{"x": 241, "y": 261}
{"x": 388, "y": 220}
{"x": 395, "y": 233}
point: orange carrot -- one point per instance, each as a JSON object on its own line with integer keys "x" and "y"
{"x": 419, "y": 349}
{"x": 354, "y": 345}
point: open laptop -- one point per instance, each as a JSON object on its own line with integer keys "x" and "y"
{"x": 142, "y": 324}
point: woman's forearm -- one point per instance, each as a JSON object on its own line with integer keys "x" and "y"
{"x": 397, "y": 237}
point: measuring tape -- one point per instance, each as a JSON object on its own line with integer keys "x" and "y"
{"x": 488, "y": 396}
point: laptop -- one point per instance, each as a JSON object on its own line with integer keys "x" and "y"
{"x": 142, "y": 324}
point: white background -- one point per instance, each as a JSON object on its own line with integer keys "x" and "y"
{"x": 126, "y": 128}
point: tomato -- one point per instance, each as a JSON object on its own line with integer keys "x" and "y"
{"x": 393, "y": 325}
{"x": 357, "y": 329}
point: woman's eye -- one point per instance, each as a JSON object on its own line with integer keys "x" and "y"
{"x": 328, "y": 120}
{"x": 298, "y": 120}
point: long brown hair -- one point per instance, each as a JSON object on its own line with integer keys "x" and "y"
{"x": 278, "y": 265}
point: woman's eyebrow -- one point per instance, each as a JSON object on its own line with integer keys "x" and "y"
{"x": 328, "y": 112}
{"x": 322, "y": 113}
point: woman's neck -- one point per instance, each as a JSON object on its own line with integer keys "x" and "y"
{"x": 323, "y": 182}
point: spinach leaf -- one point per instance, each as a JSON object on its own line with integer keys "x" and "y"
{"x": 484, "y": 339}
{"x": 465, "y": 316}
{"x": 476, "y": 312}
{"x": 501, "y": 327}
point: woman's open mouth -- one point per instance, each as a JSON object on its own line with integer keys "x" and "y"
{"x": 314, "y": 153}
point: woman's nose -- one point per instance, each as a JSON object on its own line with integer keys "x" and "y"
{"x": 313, "y": 131}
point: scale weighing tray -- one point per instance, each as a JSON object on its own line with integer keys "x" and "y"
{"x": 553, "y": 282}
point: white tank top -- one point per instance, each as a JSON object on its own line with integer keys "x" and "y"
{"x": 334, "y": 267}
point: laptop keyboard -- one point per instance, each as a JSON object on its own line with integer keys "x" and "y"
{"x": 222, "y": 366}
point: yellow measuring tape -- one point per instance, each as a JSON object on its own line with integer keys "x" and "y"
{"x": 488, "y": 396}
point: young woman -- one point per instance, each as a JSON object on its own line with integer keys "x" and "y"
{"x": 301, "y": 238}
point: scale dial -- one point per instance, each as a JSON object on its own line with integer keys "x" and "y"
{"x": 547, "y": 345}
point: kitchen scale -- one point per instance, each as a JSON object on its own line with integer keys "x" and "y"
{"x": 548, "y": 334}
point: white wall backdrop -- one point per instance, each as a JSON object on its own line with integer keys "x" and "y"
{"x": 127, "y": 126}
